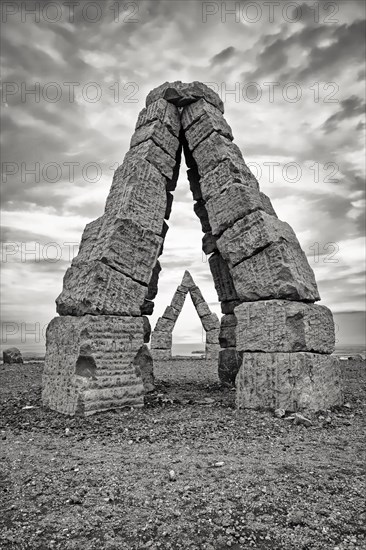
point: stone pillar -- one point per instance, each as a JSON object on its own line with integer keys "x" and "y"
{"x": 255, "y": 259}
{"x": 95, "y": 358}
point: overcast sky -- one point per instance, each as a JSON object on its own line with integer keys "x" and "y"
{"x": 296, "y": 75}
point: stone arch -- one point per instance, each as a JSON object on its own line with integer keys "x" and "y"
{"x": 161, "y": 337}
{"x": 262, "y": 277}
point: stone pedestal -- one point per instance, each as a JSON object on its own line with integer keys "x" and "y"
{"x": 89, "y": 364}
{"x": 300, "y": 381}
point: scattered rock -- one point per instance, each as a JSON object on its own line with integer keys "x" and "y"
{"x": 300, "y": 419}
{"x": 12, "y": 356}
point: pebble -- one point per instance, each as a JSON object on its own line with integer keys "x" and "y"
{"x": 300, "y": 419}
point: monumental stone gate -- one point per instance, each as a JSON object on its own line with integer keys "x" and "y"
{"x": 275, "y": 341}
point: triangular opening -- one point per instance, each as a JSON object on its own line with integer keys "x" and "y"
{"x": 188, "y": 343}
{"x": 162, "y": 336}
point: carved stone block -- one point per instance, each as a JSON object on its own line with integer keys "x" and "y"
{"x": 89, "y": 364}
{"x": 291, "y": 381}
{"x": 278, "y": 325}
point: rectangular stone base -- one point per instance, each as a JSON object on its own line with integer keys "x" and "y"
{"x": 88, "y": 364}
{"x": 291, "y": 381}
{"x": 282, "y": 325}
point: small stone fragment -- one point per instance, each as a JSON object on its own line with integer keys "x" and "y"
{"x": 300, "y": 419}
{"x": 12, "y": 356}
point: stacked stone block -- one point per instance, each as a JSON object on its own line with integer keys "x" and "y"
{"x": 271, "y": 331}
{"x": 161, "y": 338}
{"x": 112, "y": 281}
{"x": 263, "y": 279}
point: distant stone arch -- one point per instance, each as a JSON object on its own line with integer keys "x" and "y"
{"x": 161, "y": 337}
{"x": 275, "y": 341}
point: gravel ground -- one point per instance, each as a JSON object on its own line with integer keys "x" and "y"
{"x": 185, "y": 472}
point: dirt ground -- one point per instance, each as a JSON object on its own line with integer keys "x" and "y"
{"x": 185, "y": 472}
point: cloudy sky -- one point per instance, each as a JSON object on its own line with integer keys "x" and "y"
{"x": 73, "y": 82}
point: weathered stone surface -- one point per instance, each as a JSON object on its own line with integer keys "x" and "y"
{"x": 212, "y": 351}
{"x": 149, "y": 151}
{"x": 280, "y": 271}
{"x": 267, "y": 205}
{"x": 229, "y": 320}
{"x": 210, "y": 322}
{"x": 183, "y": 289}
{"x": 188, "y": 157}
{"x": 178, "y": 300}
{"x": 291, "y": 381}
{"x": 196, "y": 295}
{"x": 209, "y": 243}
{"x": 165, "y": 325}
{"x": 278, "y": 325}
{"x": 198, "y": 110}
{"x": 95, "y": 288}
{"x": 200, "y": 211}
{"x": 161, "y": 110}
{"x": 228, "y": 307}
{"x": 161, "y": 340}
{"x": 152, "y": 288}
{"x": 160, "y": 135}
{"x": 213, "y": 150}
{"x": 144, "y": 368}
{"x": 89, "y": 364}
{"x": 208, "y": 123}
{"x": 187, "y": 280}
{"x": 212, "y": 336}
{"x": 171, "y": 313}
{"x": 229, "y": 365}
{"x": 203, "y": 309}
{"x": 161, "y": 354}
{"x": 132, "y": 164}
{"x": 251, "y": 234}
{"x": 147, "y": 308}
{"x": 227, "y": 173}
{"x": 222, "y": 278}
{"x": 231, "y": 205}
{"x": 227, "y": 336}
{"x": 12, "y": 356}
{"x": 139, "y": 195}
{"x": 181, "y": 94}
{"x": 194, "y": 183}
{"x": 123, "y": 245}
{"x": 146, "y": 329}
{"x": 172, "y": 182}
